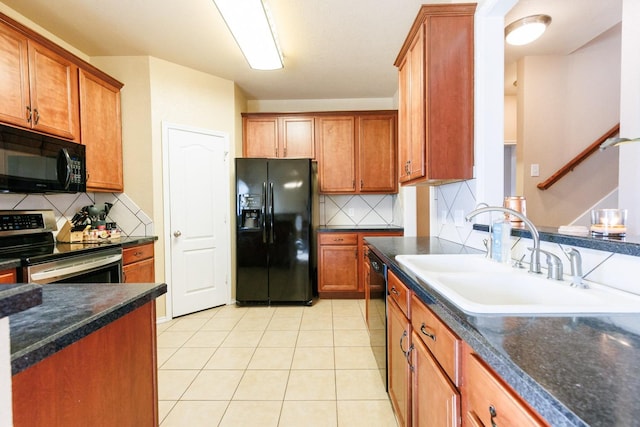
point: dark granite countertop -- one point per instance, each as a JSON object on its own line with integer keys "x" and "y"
{"x": 358, "y": 228}
{"x": 70, "y": 312}
{"x": 19, "y": 297}
{"x": 574, "y": 370}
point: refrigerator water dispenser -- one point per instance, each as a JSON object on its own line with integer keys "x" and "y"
{"x": 250, "y": 207}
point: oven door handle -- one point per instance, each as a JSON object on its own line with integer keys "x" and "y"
{"x": 77, "y": 267}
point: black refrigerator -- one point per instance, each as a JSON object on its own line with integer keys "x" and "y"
{"x": 273, "y": 231}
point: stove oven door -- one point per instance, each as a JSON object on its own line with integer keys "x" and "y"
{"x": 104, "y": 266}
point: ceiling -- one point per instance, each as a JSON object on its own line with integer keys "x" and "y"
{"x": 332, "y": 48}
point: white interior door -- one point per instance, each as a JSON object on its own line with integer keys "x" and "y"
{"x": 196, "y": 167}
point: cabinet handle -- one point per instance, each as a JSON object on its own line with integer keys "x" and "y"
{"x": 285, "y": 151}
{"x": 408, "y": 356}
{"x": 492, "y": 412}
{"x": 424, "y": 331}
{"x": 361, "y": 184}
{"x": 36, "y": 119}
{"x": 394, "y": 291}
{"x": 28, "y": 114}
{"x": 338, "y": 239}
{"x": 404, "y": 335}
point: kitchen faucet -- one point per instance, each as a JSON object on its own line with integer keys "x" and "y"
{"x": 534, "y": 264}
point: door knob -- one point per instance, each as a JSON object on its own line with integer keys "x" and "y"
{"x": 177, "y": 233}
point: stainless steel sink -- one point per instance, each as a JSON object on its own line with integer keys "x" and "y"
{"x": 480, "y": 286}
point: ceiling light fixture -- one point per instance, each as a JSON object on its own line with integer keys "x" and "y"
{"x": 251, "y": 26}
{"x": 527, "y": 29}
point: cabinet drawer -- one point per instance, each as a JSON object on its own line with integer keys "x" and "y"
{"x": 439, "y": 339}
{"x": 398, "y": 292}
{"x": 490, "y": 401}
{"x": 338, "y": 238}
{"x": 137, "y": 253}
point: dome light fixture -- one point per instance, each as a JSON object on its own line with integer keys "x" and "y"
{"x": 527, "y": 29}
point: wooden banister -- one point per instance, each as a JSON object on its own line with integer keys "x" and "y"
{"x": 579, "y": 158}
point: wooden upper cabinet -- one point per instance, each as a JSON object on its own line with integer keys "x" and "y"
{"x": 336, "y": 154}
{"x": 274, "y": 136}
{"x": 14, "y": 84}
{"x": 260, "y": 137}
{"x": 101, "y": 133}
{"x": 436, "y": 96}
{"x": 297, "y": 139}
{"x": 377, "y": 154}
{"x": 39, "y": 86}
{"x": 54, "y": 93}
{"x": 357, "y": 152}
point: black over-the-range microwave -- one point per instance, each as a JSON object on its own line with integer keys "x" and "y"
{"x": 34, "y": 163}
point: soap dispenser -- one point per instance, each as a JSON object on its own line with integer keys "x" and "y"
{"x": 501, "y": 240}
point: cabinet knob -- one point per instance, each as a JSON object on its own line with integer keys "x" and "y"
{"x": 177, "y": 233}
{"x": 28, "y": 114}
{"x": 36, "y": 117}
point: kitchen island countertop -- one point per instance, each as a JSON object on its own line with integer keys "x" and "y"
{"x": 575, "y": 370}
{"x": 70, "y": 312}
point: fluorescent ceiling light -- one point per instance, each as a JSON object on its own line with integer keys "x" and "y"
{"x": 526, "y": 30}
{"x": 249, "y": 23}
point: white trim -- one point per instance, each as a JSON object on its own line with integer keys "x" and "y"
{"x": 166, "y": 126}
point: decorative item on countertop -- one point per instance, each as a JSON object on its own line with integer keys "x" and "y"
{"x": 609, "y": 222}
{"x": 518, "y": 204}
{"x": 89, "y": 226}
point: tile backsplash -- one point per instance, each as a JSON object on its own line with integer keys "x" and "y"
{"x": 611, "y": 269}
{"x": 131, "y": 220}
{"x": 370, "y": 209}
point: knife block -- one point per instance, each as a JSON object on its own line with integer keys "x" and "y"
{"x": 66, "y": 235}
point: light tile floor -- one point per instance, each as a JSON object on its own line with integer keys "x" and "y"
{"x": 271, "y": 366}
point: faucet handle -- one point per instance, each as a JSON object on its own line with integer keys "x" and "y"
{"x": 554, "y": 265}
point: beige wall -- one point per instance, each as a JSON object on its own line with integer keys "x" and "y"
{"x": 155, "y": 91}
{"x": 296, "y": 105}
{"x": 564, "y": 104}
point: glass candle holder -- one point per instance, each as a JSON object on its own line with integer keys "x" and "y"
{"x": 609, "y": 222}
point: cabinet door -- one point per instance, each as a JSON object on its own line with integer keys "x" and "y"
{"x": 101, "y": 133}
{"x": 377, "y": 154}
{"x": 53, "y": 82}
{"x": 260, "y": 137}
{"x": 14, "y": 84}
{"x": 8, "y": 276}
{"x": 489, "y": 401}
{"x": 399, "y": 374}
{"x": 338, "y": 266}
{"x": 336, "y": 163}
{"x": 417, "y": 126}
{"x": 139, "y": 272}
{"x": 435, "y": 401}
{"x": 297, "y": 139}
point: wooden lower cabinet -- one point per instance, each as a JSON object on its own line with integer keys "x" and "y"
{"x": 108, "y": 378}
{"x": 489, "y": 401}
{"x": 138, "y": 264}
{"x": 341, "y": 263}
{"x": 435, "y": 401}
{"x": 8, "y": 277}
{"x": 338, "y": 265}
{"x": 398, "y": 370}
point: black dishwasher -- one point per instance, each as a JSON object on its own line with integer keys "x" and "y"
{"x": 377, "y": 312}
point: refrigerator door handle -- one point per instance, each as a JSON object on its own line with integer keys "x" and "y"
{"x": 271, "y": 203}
{"x": 264, "y": 212}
